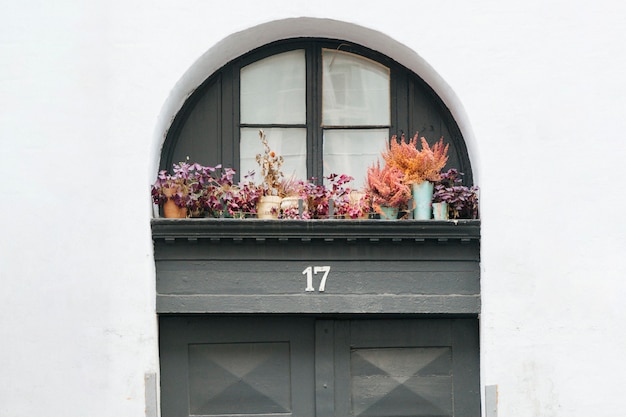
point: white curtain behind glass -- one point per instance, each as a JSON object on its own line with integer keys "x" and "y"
{"x": 355, "y": 91}
{"x": 352, "y": 151}
{"x": 290, "y": 143}
{"x": 273, "y": 90}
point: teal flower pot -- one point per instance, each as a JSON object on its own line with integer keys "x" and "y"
{"x": 440, "y": 211}
{"x": 388, "y": 213}
{"x": 422, "y": 198}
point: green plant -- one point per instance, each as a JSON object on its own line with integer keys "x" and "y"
{"x": 176, "y": 186}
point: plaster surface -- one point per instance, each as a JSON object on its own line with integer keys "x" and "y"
{"x": 88, "y": 90}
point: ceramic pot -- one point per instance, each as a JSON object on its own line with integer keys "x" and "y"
{"x": 422, "y": 198}
{"x": 440, "y": 211}
{"x": 388, "y": 213}
{"x": 170, "y": 209}
{"x": 268, "y": 207}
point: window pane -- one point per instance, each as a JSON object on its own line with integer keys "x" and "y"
{"x": 352, "y": 151}
{"x": 273, "y": 90}
{"x": 355, "y": 91}
{"x": 290, "y": 143}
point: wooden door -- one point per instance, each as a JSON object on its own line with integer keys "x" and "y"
{"x": 307, "y": 367}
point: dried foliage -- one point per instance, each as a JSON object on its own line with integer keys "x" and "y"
{"x": 416, "y": 165}
{"x": 270, "y": 164}
{"x": 386, "y": 187}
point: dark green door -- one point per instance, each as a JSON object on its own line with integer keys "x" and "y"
{"x": 306, "y": 367}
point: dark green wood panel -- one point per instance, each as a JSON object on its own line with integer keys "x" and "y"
{"x": 331, "y": 367}
{"x": 198, "y": 130}
{"x": 245, "y": 378}
{"x": 315, "y": 303}
{"x": 410, "y": 368}
{"x": 336, "y": 250}
{"x": 222, "y": 267}
{"x": 293, "y": 250}
{"x": 229, "y": 366}
{"x": 429, "y": 117}
{"x": 344, "y": 277}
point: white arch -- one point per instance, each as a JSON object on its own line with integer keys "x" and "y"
{"x": 239, "y": 43}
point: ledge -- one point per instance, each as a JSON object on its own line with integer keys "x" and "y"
{"x": 419, "y": 230}
{"x": 316, "y": 304}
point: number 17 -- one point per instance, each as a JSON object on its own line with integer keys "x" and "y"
{"x": 309, "y": 271}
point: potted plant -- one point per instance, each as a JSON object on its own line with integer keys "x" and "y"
{"x": 457, "y": 200}
{"x": 387, "y": 189}
{"x": 216, "y": 190}
{"x": 338, "y": 193}
{"x": 172, "y": 191}
{"x": 294, "y": 204}
{"x": 359, "y": 205}
{"x": 268, "y": 206}
{"x": 245, "y": 197}
{"x": 420, "y": 168}
{"x": 331, "y": 200}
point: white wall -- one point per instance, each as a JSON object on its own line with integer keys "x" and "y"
{"x": 86, "y": 89}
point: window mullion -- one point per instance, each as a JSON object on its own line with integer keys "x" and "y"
{"x": 314, "y": 111}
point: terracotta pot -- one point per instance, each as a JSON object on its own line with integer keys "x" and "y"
{"x": 170, "y": 209}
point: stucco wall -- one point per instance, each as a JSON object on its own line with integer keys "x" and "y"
{"x": 87, "y": 90}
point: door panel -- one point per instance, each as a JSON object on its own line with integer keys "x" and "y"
{"x": 302, "y": 367}
{"x": 401, "y": 382}
{"x": 226, "y": 366}
{"x": 408, "y": 368}
{"x": 248, "y": 378}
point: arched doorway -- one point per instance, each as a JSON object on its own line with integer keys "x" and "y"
{"x": 318, "y": 317}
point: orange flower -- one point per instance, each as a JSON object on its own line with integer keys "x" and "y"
{"x": 416, "y": 165}
{"x": 273, "y": 154}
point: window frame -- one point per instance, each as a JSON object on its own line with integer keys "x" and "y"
{"x": 314, "y": 66}
{"x": 414, "y": 107}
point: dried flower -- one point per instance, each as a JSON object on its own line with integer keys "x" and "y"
{"x": 416, "y": 165}
{"x": 386, "y": 187}
{"x": 270, "y": 164}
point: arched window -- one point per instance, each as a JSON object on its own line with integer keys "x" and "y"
{"x": 327, "y": 106}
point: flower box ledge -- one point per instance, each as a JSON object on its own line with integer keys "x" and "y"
{"x": 324, "y": 229}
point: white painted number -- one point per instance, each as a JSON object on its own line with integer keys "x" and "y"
{"x": 325, "y": 270}
{"x": 309, "y": 279}
{"x": 309, "y": 271}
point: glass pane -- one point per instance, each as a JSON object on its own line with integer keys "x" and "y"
{"x": 352, "y": 151}
{"x": 355, "y": 91}
{"x": 290, "y": 143}
{"x": 273, "y": 90}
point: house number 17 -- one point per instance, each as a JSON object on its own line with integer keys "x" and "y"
{"x": 309, "y": 271}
